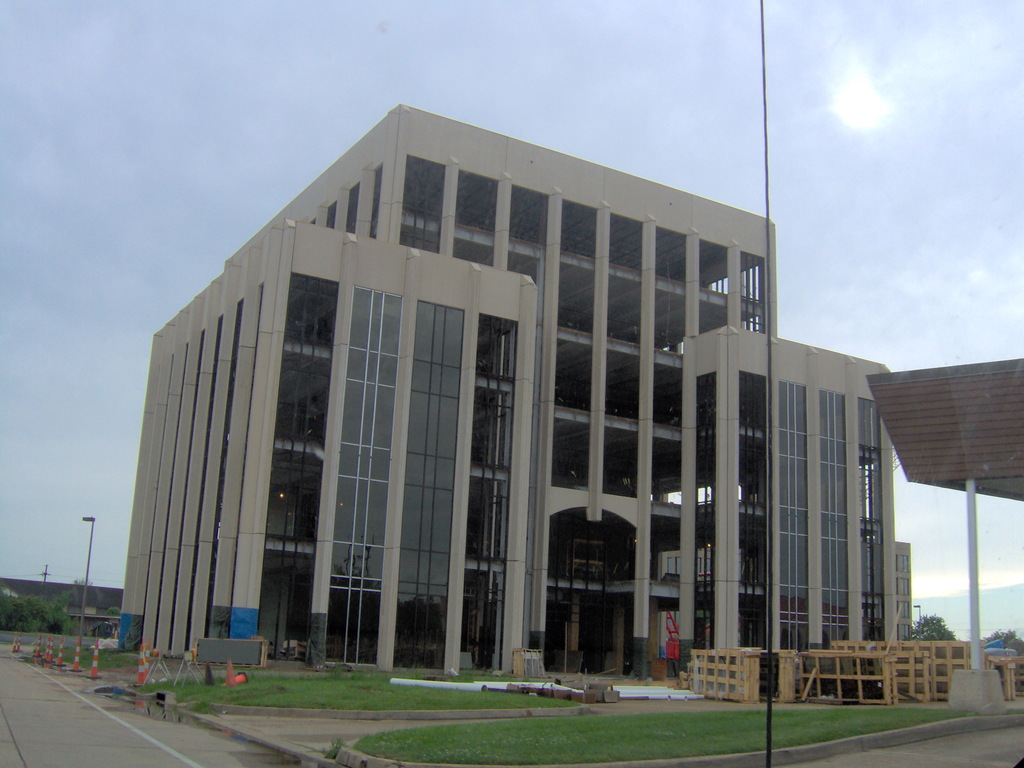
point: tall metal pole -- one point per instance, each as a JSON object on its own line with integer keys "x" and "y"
{"x": 972, "y": 572}
{"x": 85, "y": 584}
{"x": 769, "y": 331}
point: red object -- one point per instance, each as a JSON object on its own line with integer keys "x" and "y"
{"x": 77, "y": 666}
{"x": 672, "y": 648}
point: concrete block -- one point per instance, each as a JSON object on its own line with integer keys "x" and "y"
{"x": 977, "y": 691}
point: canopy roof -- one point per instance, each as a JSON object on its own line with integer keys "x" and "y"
{"x": 949, "y": 425}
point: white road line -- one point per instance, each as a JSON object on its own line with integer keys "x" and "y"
{"x": 130, "y": 727}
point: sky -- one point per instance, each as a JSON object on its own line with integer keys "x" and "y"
{"x": 141, "y": 144}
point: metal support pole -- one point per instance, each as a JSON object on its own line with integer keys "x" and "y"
{"x": 972, "y": 568}
{"x": 85, "y": 584}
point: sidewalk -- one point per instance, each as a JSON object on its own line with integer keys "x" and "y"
{"x": 306, "y": 735}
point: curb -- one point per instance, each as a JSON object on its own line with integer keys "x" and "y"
{"x": 788, "y": 756}
{"x": 304, "y": 757}
{"x": 413, "y": 714}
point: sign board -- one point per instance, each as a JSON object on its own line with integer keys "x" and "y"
{"x": 217, "y": 650}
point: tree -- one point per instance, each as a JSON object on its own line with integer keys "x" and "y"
{"x": 1009, "y": 638}
{"x": 33, "y": 614}
{"x": 931, "y": 628}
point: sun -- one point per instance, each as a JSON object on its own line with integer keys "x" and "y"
{"x": 859, "y": 105}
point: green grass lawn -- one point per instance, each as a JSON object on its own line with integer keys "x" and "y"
{"x": 608, "y": 738}
{"x": 342, "y": 690}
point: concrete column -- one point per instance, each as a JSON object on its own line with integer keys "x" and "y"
{"x": 734, "y": 316}
{"x": 599, "y": 365}
{"x": 501, "y": 221}
{"x": 688, "y": 513}
{"x": 168, "y": 408}
{"x": 645, "y": 436}
{"x": 259, "y": 355}
{"x": 515, "y": 623}
{"x": 727, "y": 565}
{"x": 814, "y": 580}
{"x": 692, "y": 284}
{"x": 133, "y": 604}
{"x": 854, "y": 579}
{"x": 451, "y": 190}
{"x": 396, "y": 493}
{"x": 460, "y": 498}
{"x": 364, "y": 211}
{"x": 192, "y": 430}
{"x": 316, "y": 650}
{"x": 549, "y": 349}
{"x": 183, "y": 635}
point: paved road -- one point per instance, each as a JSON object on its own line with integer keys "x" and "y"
{"x": 45, "y": 722}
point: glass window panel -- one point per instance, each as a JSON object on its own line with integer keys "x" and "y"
{"x": 450, "y": 381}
{"x": 353, "y": 407}
{"x": 341, "y": 560}
{"x": 384, "y": 416}
{"x": 373, "y": 563}
{"x": 376, "y": 515}
{"x": 388, "y": 370}
{"x": 348, "y": 461}
{"x": 371, "y": 367}
{"x": 391, "y": 324}
{"x": 380, "y": 465}
{"x": 344, "y": 514}
{"x": 418, "y": 403}
{"x": 358, "y": 336}
{"x": 356, "y": 364}
{"x": 453, "y": 337}
{"x": 420, "y": 376}
{"x": 449, "y": 420}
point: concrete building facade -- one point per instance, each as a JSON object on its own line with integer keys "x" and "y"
{"x": 465, "y": 395}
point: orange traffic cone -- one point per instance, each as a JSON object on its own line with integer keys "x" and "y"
{"x": 143, "y": 672}
{"x": 77, "y": 666}
{"x": 16, "y": 648}
{"x": 94, "y": 671}
{"x": 230, "y": 679}
{"x": 60, "y": 655}
{"x": 38, "y": 654}
{"x": 48, "y": 660}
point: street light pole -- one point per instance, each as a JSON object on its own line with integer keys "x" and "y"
{"x": 918, "y": 613}
{"x": 85, "y": 584}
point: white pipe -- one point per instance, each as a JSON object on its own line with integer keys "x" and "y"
{"x": 442, "y": 684}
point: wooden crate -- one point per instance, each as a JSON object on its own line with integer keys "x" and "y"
{"x": 848, "y": 677}
{"x": 947, "y": 656}
{"x": 528, "y": 663}
{"x": 1009, "y": 668}
{"x": 739, "y": 674}
{"x": 913, "y": 679}
{"x": 729, "y": 675}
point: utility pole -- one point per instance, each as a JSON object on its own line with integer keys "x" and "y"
{"x": 46, "y": 572}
